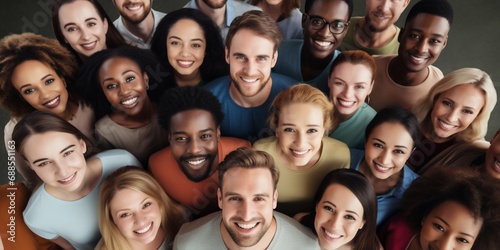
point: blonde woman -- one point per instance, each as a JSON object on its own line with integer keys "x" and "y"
{"x": 135, "y": 213}
{"x": 304, "y": 154}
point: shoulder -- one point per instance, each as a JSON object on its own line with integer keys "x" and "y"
{"x": 218, "y": 86}
{"x": 232, "y": 142}
{"x": 194, "y": 234}
{"x": 265, "y": 143}
{"x": 117, "y": 157}
{"x": 334, "y": 143}
{"x": 290, "y": 233}
{"x": 282, "y": 82}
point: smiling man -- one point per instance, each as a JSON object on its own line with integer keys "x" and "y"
{"x": 137, "y": 21}
{"x": 376, "y": 32}
{"x": 324, "y": 24}
{"x": 247, "y": 196}
{"x": 247, "y": 93}
{"x": 406, "y": 78}
{"x": 187, "y": 168}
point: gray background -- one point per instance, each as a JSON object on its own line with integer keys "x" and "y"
{"x": 472, "y": 39}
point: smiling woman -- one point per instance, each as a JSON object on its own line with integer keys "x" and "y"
{"x": 83, "y": 27}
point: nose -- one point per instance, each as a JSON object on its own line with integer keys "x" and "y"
{"x": 194, "y": 147}
{"x": 384, "y": 5}
{"x": 124, "y": 89}
{"x": 246, "y": 211}
{"x": 325, "y": 31}
{"x": 44, "y": 93}
{"x": 299, "y": 138}
{"x": 139, "y": 219}
{"x": 62, "y": 170}
{"x": 84, "y": 34}
{"x": 184, "y": 50}
{"x": 348, "y": 91}
{"x": 335, "y": 221}
{"x": 446, "y": 243}
{"x": 385, "y": 157}
{"x": 453, "y": 115}
{"x": 421, "y": 46}
{"x": 250, "y": 67}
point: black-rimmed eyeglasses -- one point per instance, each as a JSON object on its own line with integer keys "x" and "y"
{"x": 318, "y": 23}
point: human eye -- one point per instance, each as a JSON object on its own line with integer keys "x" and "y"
{"x": 130, "y": 78}
{"x": 339, "y": 83}
{"x": 206, "y": 136}
{"x": 328, "y": 208}
{"x": 399, "y": 151}
{"x": 438, "y": 227}
{"x": 234, "y": 198}
{"x": 446, "y": 103}
{"x": 312, "y": 130}
{"x": 463, "y": 240}
{"x": 43, "y": 163}
{"x": 259, "y": 199}
{"x": 337, "y": 25}
{"x": 349, "y": 217}
{"x": 28, "y": 91}
{"x": 290, "y": 130}
{"x": 359, "y": 86}
{"x": 196, "y": 45}
{"x": 124, "y": 215}
{"x": 146, "y": 205}
{"x": 378, "y": 145}
{"x": 174, "y": 43}
{"x": 181, "y": 139}
{"x": 317, "y": 22}
{"x": 435, "y": 41}
{"x": 66, "y": 153}
{"x": 71, "y": 29}
{"x": 468, "y": 111}
{"x": 49, "y": 81}
{"x": 261, "y": 58}
{"x": 111, "y": 86}
{"x": 91, "y": 24}
{"x": 240, "y": 57}
{"x": 414, "y": 36}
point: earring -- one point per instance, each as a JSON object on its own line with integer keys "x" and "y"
{"x": 147, "y": 87}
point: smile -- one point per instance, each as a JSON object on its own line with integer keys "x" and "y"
{"x": 185, "y": 64}
{"x": 133, "y": 7}
{"x": 89, "y": 46}
{"x": 381, "y": 168}
{"x": 419, "y": 59}
{"x": 52, "y": 103}
{"x": 323, "y": 43}
{"x": 198, "y": 162}
{"x": 145, "y": 229}
{"x": 331, "y": 235}
{"x": 68, "y": 179}
{"x": 299, "y": 153}
{"x": 130, "y": 102}
{"x": 446, "y": 126}
{"x": 346, "y": 104}
{"x": 247, "y": 226}
{"x": 249, "y": 80}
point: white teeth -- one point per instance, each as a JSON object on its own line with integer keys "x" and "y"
{"x": 134, "y": 7}
{"x": 89, "y": 45}
{"x": 246, "y": 226}
{"x": 52, "y": 102}
{"x": 249, "y": 79}
{"x": 197, "y": 162}
{"x": 343, "y": 103}
{"x": 382, "y": 168}
{"x": 335, "y": 236}
{"x": 446, "y": 125}
{"x": 303, "y": 152}
{"x": 144, "y": 229}
{"x": 185, "y": 63}
{"x": 129, "y": 101}
{"x": 418, "y": 59}
{"x": 67, "y": 179}
{"x": 323, "y": 44}
{"x": 496, "y": 163}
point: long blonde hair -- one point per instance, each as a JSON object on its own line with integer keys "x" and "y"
{"x": 134, "y": 178}
{"x": 481, "y": 80}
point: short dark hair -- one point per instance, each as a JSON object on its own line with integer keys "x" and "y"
{"x": 248, "y": 158}
{"x": 399, "y": 115}
{"x": 214, "y": 64}
{"x": 357, "y": 183}
{"x": 478, "y": 193}
{"x": 185, "y": 98}
{"x": 88, "y": 84}
{"x": 440, "y": 8}
{"x": 309, "y": 3}
{"x": 113, "y": 37}
{"x": 258, "y": 22}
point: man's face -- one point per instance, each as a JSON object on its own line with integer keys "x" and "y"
{"x": 382, "y": 14}
{"x": 194, "y": 139}
{"x": 422, "y": 40}
{"x": 323, "y": 43}
{"x": 215, "y": 4}
{"x": 247, "y": 199}
{"x": 133, "y": 11}
{"x": 250, "y": 59}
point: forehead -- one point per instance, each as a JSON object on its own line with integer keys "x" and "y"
{"x": 34, "y": 67}
{"x": 298, "y": 113}
{"x": 466, "y": 94}
{"x": 192, "y": 120}
{"x": 248, "y": 42}
{"x": 77, "y": 11}
{"x": 186, "y": 27}
{"x": 116, "y": 63}
{"x": 248, "y": 182}
{"x": 126, "y": 197}
{"x": 428, "y": 22}
{"x": 342, "y": 197}
{"x": 48, "y": 144}
{"x": 392, "y": 133}
{"x": 330, "y": 9}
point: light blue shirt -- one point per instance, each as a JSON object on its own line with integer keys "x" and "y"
{"x": 352, "y": 131}
{"x": 118, "y": 23}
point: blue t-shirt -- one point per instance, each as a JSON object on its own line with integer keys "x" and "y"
{"x": 241, "y": 122}
{"x": 387, "y": 203}
{"x": 352, "y": 131}
{"x": 289, "y": 64}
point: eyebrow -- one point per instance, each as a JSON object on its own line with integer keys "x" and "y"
{"x": 44, "y": 159}
{"x": 342, "y": 80}
{"x": 194, "y": 39}
{"x": 201, "y": 131}
{"x": 41, "y": 79}
{"x": 86, "y": 20}
{"x": 129, "y": 208}
{"x": 111, "y": 78}
{"x": 237, "y": 194}
{"x": 333, "y": 205}
{"x": 421, "y": 31}
{"x": 451, "y": 100}
{"x": 397, "y": 146}
{"x": 442, "y": 220}
{"x": 309, "y": 125}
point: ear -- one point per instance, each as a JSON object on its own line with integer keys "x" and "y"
{"x": 218, "y": 133}
{"x": 146, "y": 79}
{"x": 83, "y": 145}
{"x": 371, "y": 87}
{"x": 445, "y": 42}
{"x": 406, "y": 4}
{"x": 362, "y": 225}
{"x": 275, "y": 199}
{"x": 226, "y": 51}
{"x": 105, "y": 25}
{"x": 274, "y": 59}
{"x": 219, "y": 197}
{"x": 304, "y": 20}
{"x": 400, "y": 35}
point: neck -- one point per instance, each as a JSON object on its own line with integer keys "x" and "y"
{"x": 217, "y": 15}
{"x": 188, "y": 80}
{"x": 144, "y": 29}
{"x": 371, "y": 38}
{"x": 310, "y": 66}
{"x": 274, "y": 11}
{"x": 144, "y": 117}
{"x": 382, "y": 186}
{"x": 400, "y": 75}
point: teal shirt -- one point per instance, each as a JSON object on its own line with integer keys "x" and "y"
{"x": 352, "y": 131}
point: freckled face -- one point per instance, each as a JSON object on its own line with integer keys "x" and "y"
{"x": 455, "y": 109}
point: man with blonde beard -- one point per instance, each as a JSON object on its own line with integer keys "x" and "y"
{"x": 137, "y": 21}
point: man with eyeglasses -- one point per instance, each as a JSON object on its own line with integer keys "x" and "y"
{"x": 375, "y": 33}
{"x": 324, "y": 24}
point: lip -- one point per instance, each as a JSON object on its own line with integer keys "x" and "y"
{"x": 380, "y": 16}
{"x": 68, "y": 180}
{"x": 145, "y": 230}
{"x": 331, "y": 236}
{"x": 496, "y": 164}
{"x": 130, "y": 102}
{"x": 445, "y": 126}
{"x": 249, "y": 80}
{"x": 53, "y": 103}
{"x": 196, "y": 163}
{"x": 381, "y": 168}
{"x": 134, "y": 7}
{"x": 89, "y": 46}
{"x": 185, "y": 63}
{"x": 246, "y": 227}
{"x": 346, "y": 104}
{"x": 300, "y": 153}
{"x": 322, "y": 44}
{"x": 418, "y": 59}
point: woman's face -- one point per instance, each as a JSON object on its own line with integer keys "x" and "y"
{"x": 41, "y": 87}
{"x": 492, "y": 161}
{"x": 387, "y": 149}
{"x": 82, "y": 27}
{"x": 300, "y": 131}
{"x": 455, "y": 109}
{"x": 450, "y": 225}
{"x": 58, "y": 159}
{"x": 349, "y": 84}
{"x": 137, "y": 216}
{"x": 186, "y": 46}
{"x": 339, "y": 217}
{"x": 124, "y": 85}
